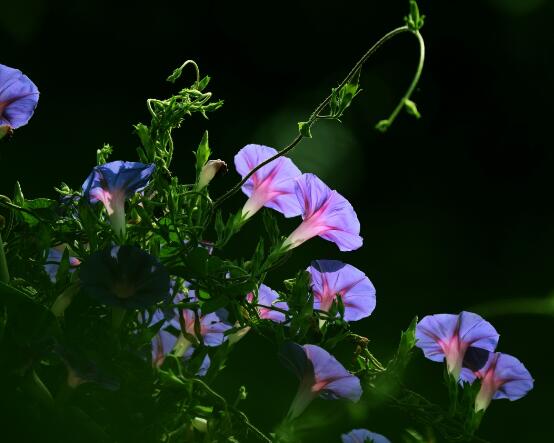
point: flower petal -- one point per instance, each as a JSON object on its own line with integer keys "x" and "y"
{"x": 272, "y": 185}
{"x": 268, "y": 297}
{"x": 332, "y": 277}
{"x": 124, "y": 177}
{"x": 325, "y": 213}
{"x": 363, "y": 436}
{"x": 18, "y": 97}
{"x": 332, "y": 380}
{"x": 124, "y": 276}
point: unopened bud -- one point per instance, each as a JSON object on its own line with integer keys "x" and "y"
{"x": 209, "y": 171}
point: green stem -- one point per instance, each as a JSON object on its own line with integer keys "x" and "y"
{"x": 315, "y": 115}
{"x": 4, "y": 273}
{"x": 246, "y": 421}
{"x": 412, "y": 86}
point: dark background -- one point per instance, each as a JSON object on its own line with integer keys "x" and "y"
{"x": 456, "y": 209}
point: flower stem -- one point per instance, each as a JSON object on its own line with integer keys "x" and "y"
{"x": 315, "y": 116}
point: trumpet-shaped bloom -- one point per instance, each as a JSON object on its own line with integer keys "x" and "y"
{"x": 267, "y": 298}
{"x": 53, "y": 260}
{"x": 363, "y": 436}
{"x": 332, "y": 278}
{"x": 169, "y": 337}
{"x": 449, "y": 336}
{"x": 18, "y": 98}
{"x": 164, "y": 341}
{"x": 212, "y": 326}
{"x": 124, "y": 276}
{"x": 272, "y": 185}
{"x": 502, "y": 376}
{"x": 114, "y": 182}
{"x": 320, "y": 375}
{"x": 325, "y": 213}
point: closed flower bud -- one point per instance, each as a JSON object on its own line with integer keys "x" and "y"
{"x": 209, "y": 171}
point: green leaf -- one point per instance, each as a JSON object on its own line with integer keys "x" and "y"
{"x": 42, "y": 207}
{"x": 202, "y": 154}
{"x": 103, "y": 154}
{"x": 404, "y": 351}
{"x": 382, "y": 125}
{"x": 411, "y": 108}
{"x": 414, "y": 21}
{"x": 28, "y": 320}
{"x": 214, "y": 304}
{"x": 203, "y": 83}
{"x": 304, "y": 128}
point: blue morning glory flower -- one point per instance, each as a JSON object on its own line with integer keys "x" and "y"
{"x": 502, "y": 376}
{"x": 454, "y": 337}
{"x": 18, "y": 99}
{"x": 363, "y": 436}
{"x": 325, "y": 213}
{"x": 272, "y": 185}
{"x": 320, "y": 374}
{"x": 113, "y": 183}
{"x": 124, "y": 276}
{"x": 332, "y": 278}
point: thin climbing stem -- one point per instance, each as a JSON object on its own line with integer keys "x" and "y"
{"x": 315, "y": 116}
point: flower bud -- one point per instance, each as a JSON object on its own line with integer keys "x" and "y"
{"x": 209, "y": 171}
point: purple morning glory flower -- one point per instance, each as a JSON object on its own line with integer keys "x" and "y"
{"x": 332, "y": 278}
{"x": 124, "y": 276}
{"x": 113, "y": 183}
{"x": 164, "y": 341}
{"x": 325, "y": 213}
{"x": 502, "y": 376}
{"x": 450, "y": 337}
{"x": 18, "y": 99}
{"x": 53, "y": 263}
{"x": 272, "y": 185}
{"x": 320, "y": 375}
{"x": 212, "y": 326}
{"x": 363, "y": 436}
{"x": 267, "y": 297}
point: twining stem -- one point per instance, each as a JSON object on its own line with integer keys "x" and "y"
{"x": 259, "y": 434}
{"x": 414, "y": 83}
{"x": 4, "y": 273}
{"x": 315, "y": 115}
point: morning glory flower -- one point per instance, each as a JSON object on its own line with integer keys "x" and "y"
{"x": 164, "y": 341}
{"x": 363, "y": 436}
{"x": 451, "y": 337}
{"x": 18, "y": 99}
{"x": 320, "y": 375}
{"x": 212, "y": 326}
{"x": 333, "y": 278}
{"x": 272, "y": 185}
{"x": 502, "y": 376}
{"x": 124, "y": 276}
{"x": 325, "y": 213}
{"x": 113, "y": 183}
{"x": 168, "y": 336}
{"x": 267, "y": 297}
{"x": 53, "y": 260}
